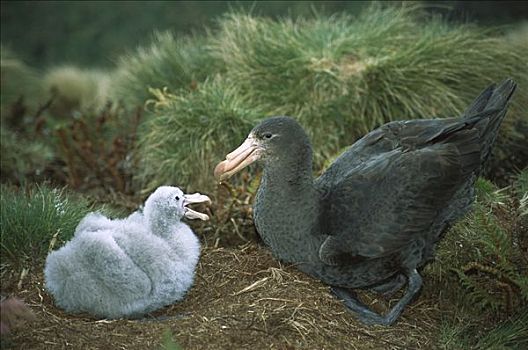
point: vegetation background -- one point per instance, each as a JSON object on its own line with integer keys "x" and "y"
{"x": 96, "y": 33}
{"x": 102, "y": 101}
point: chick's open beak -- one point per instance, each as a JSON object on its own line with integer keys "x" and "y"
{"x": 195, "y": 198}
{"x": 247, "y": 153}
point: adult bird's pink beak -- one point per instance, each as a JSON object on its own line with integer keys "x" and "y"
{"x": 247, "y": 153}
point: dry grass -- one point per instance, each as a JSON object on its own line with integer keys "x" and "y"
{"x": 242, "y": 298}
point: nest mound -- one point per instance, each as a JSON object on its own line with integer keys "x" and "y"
{"x": 241, "y": 298}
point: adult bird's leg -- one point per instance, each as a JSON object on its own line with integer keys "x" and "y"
{"x": 390, "y": 287}
{"x": 367, "y": 316}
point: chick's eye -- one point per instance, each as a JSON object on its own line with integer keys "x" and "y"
{"x": 267, "y": 135}
{"x": 177, "y": 198}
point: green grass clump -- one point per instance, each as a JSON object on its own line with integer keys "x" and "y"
{"x": 174, "y": 63}
{"x": 521, "y": 189}
{"x": 22, "y": 157}
{"x": 521, "y": 184}
{"x": 21, "y": 154}
{"x": 168, "y": 341}
{"x": 483, "y": 260}
{"x": 464, "y": 334}
{"x": 342, "y": 76}
{"x": 510, "y": 334}
{"x": 74, "y": 89}
{"x": 485, "y": 253}
{"x": 18, "y": 81}
{"x": 31, "y": 218}
{"x": 191, "y": 132}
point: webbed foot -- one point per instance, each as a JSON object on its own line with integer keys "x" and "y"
{"x": 369, "y": 317}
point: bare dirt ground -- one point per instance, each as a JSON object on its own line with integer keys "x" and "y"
{"x": 242, "y": 299}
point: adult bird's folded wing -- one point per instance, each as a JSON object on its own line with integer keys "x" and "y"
{"x": 396, "y": 194}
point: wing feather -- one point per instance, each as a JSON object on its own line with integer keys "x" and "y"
{"x": 390, "y": 187}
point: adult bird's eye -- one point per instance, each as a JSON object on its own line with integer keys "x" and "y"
{"x": 268, "y": 135}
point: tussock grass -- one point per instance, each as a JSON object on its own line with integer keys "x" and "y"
{"x": 517, "y": 34}
{"x": 521, "y": 189}
{"x": 191, "y": 132}
{"x": 485, "y": 254}
{"x": 342, "y": 76}
{"x": 174, "y": 63}
{"x": 482, "y": 259}
{"x": 34, "y": 217}
{"x": 521, "y": 184}
{"x": 21, "y": 156}
{"x": 75, "y": 89}
{"x": 511, "y": 334}
{"x": 464, "y": 334}
{"x": 21, "y": 93}
{"x": 34, "y": 106}
{"x": 18, "y": 81}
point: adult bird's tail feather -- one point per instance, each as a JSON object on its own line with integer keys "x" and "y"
{"x": 489, "y": 109}
{"x": 491, "y": 97}
{"x": 484, "y": 115}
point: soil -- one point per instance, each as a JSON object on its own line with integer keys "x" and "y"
{"x": 242, "y": 299}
